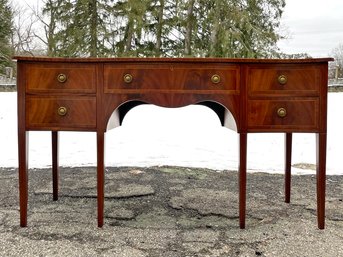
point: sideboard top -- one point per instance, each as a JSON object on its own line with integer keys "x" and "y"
{"x": 170, "y": 60}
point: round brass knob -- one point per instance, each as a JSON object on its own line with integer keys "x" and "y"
{"x": 62, "y": 111}
{"x": 215, "y": 79}
{"x": 128, "y": 78}
{"x": 282, "y": 79}
{"x": 281, "y": 112}
{"x": 62, "y": 78}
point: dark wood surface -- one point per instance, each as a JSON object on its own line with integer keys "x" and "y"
{"x": 81, "y": 78}
{"x": 302, "y": 115}
{"x": 169, "y": 60}
{"x": 42, "y": 112}
{"x": 288, "y": 163}
{"x": 250, "y": 95}
{"x": 55, "y": 151}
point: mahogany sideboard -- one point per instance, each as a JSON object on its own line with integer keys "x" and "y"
{"x": 248, "y": 95}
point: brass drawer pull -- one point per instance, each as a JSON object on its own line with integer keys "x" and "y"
{"x": 282, "y": 79}
{"x": 128, "y": 78}
{"x": 62, "y": 111}
{"x": 281, "y": 112}
{"x": 215, "y": 79}
{"x": 61, "y": 78}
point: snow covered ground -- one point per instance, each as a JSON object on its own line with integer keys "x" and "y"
{"x": 190, "y": 136}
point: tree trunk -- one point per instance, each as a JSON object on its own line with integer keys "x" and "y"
{"x": 50, "y": 31}
{"x": 158, "y": 44}
{"x": 215, "y": 30}
{"x": 93, "y": 51}
{"x": 189, "y": 28}
{"x": 128, "y": 36}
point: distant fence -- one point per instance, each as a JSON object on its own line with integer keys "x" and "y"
{"x": 336, "y": 82}
{"x": 7, "y": 84}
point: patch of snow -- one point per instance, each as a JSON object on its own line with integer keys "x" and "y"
{"x": 189, "y": 136}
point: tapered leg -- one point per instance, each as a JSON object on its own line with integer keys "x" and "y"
{"x": 23, "y": 140}
{"x": 288, "y": 163}
{"x": 100, "y": 177}
{"x": 321, "y": 178}
{"x": 242, "y": 178}
{"x": 54, "y": 142}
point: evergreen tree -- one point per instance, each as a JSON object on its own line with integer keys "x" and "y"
{"x": 76, "y": 27}
{"x": 174, "y": 28}
{"x": 6, "y": 23}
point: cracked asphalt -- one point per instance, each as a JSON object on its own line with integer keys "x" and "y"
{"x": 168, "y": 212}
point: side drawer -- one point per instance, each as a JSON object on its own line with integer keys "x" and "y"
{"x": 284, "y": 80}
{"x": 280, "y": 115}
{"x": 61, "y": 112}
{"x": 61, "y": 78}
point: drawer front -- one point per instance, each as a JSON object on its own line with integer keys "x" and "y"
{"x": 61, "y": 112}
{"x": 72, "y": 78}
{"x": 135, "y": 77}
{"x": 279, "y": 115}
{"x": 166, "y": 77}
{"x": 284, "y": 80}
{"x": 208, "y": 78}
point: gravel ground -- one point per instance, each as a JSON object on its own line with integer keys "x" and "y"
{"x": 168, "y": 211}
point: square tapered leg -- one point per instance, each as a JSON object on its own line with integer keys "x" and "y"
{"x": 100, "y": 177}
{"x": 242, "y": 178}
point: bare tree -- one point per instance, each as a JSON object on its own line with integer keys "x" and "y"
{"x": 46, "y": 19}
{"x": 23, "y": 38}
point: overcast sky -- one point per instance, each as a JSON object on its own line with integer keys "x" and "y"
{"x": 312, "y": 26}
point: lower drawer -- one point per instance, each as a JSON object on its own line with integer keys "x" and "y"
{"x": 61, "y": 112}
{"x": 283, "y": 115}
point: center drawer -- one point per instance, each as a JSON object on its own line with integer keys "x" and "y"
{"x": 280, "y": 115}
{"x": 169, "y": 78}
{"x": 49, "y": 112}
